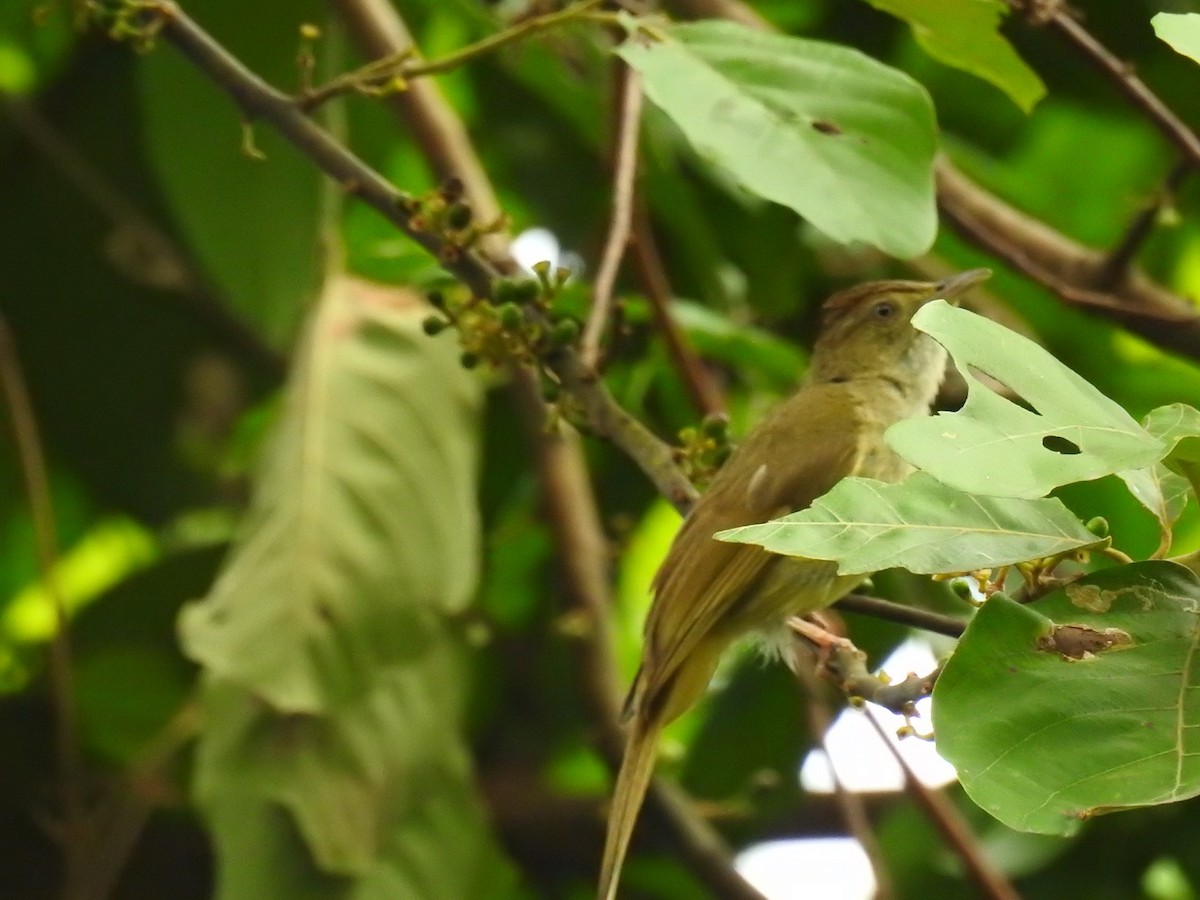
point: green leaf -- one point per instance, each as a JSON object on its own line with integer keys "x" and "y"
{"x": 964, "y": 34}
{"x": 1163, "y": 492}
{"x": 1080, "y": 703}
{"x": 363, "y": 528}
{"x": 1178, "y": 427}
{"x": 995, "y": 446}
{"x": 334, "y": 684}
{"x": 920, "y": 525}
{"x": 845, "y": 141}
{"x": 1181, "y": 31}
{"x": 252, "y": 223}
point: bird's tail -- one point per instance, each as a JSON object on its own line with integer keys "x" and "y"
{"x": 637, "y": 767}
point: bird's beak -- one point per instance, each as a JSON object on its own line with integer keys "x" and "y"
{"x": 956, "y": 285}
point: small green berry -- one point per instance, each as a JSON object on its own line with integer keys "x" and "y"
{"x": 469, "y": 360}
{"x": 458, "y": 216}
{"x": 526, "y": 291}
{"x": 437, "y": 299}
{"x": 434, "y": 325}
{"x": 565, "y": 331}
{"x": 962, "y": 589}
{"x": 510, "y": 316}
{"x": 1098, "y": 526}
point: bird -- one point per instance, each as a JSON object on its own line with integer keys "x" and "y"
{"x": 869, "y": 369}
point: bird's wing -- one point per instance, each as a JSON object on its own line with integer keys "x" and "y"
{"x": 702, "y": 580}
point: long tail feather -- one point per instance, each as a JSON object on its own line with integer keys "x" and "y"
{"x": 636, "y": 769}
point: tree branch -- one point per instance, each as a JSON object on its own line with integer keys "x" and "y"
{"x": 1055, "y": 15}
{"x": 705, "y": 395}
{"x": 627, "y": 117}
{"x": 259, "y": 101}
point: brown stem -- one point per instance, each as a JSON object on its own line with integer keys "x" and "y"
{"x": 32, "y": 459}
{"x": 258, "y": 100}
{"x": 438, "y": 131}
{"x": 901, "y": 614}
{"x": 953, "y": 828}
{"x": 705, "y": 395}
{"x": 627, "y": 116}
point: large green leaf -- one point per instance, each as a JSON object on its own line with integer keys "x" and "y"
{"x": 964, "y": 34}
{"x": 252, "y": 223}
{"x": 997, "y": 447}
{"x": 1181, "y": 31}
{"x": 334, "y": 685}
{"x": 1080, "y": 703}
{"x": 363, "y": 528}
{"x": 844, "y": 140}
{"x": 920, "y": 525}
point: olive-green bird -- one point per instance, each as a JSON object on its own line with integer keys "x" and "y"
{"x": 870, "y": 368}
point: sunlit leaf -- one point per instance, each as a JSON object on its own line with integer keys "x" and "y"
{"x": 844, "y": 140}
{"x": 920, "y": 525}
{"x": 964, "y": 34}
{"x": 1080, "y": 703}
{"x": 995, "y": 446}
{"x": 109, "y": 552}
{"x": 1181, "y": 31}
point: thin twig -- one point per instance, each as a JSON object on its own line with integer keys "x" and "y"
{"x": 1120, "y": 258}
{"x": 901, "y": 614}
{"x": 32, "y": 459}
{"x": 1120, "y": 73}
{"x": 950, "y": 823}
{"x": 703, "y": 390}
{"x": 404, "y": 66}
{"x": 851, "y": 804}
{"x": 122, "y": 818}
{"x": 627, "y": 118}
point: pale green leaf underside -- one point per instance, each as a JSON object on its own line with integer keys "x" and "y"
{"x": 363, "y": 527}
{"x": 996, "y": 447}
{"x": 964, "y": 34}
{"x": 332, "y": 764}
{"x": 920, "y": 525}
{"x": 845, "y": 141}
{"x": 1181, "y": 31}
{"x": 1042, "y": 741}
{"x": 1163, "y": 488}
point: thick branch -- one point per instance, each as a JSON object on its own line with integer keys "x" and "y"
{"x": 1066, "y": 267}
{"x": 259, "y": 101}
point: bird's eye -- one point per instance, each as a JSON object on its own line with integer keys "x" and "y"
{"x": 884, "y": 310}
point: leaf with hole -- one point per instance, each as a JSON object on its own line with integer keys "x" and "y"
{"x": 920, "y": 525}
{"x": 996, "y": 446}
{"x": 966, "y": 35}
{"x": 845, "y": 141}
{"x": 1082, "y": 702}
